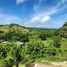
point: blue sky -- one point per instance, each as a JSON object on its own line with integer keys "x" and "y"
{"x": 34, "y": 13}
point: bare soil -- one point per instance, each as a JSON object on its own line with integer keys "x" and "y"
{"x": 51, "y": 64}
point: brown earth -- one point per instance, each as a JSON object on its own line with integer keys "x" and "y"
{"x": 51, "y": 64}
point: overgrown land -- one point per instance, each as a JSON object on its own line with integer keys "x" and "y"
{"x": 20, "y": 44}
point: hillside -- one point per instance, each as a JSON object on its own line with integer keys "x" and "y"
{"x": 19, "y": 44}
{"x": 63, "y": 30}
{"x": 13, "y": 27}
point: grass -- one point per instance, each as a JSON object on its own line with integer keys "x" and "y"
{"x": 20, "y": 65}
{"x": 48, "y": 42}
{"x": 64, "y": 43}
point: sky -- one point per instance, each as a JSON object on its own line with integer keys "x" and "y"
{"x": 34, "y": 13}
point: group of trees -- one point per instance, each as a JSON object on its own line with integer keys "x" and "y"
{"x": 10, "y": 54}
{"x": 38, "y": 43}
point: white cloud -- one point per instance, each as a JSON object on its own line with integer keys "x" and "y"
{"x": 34, "y": 19}
{"x": 41, "y": 19}
{"x": 6, "y": 19}
{"x": 39, "y": 8}
{"x": 44, "y": 15}
{"x": 46, "y": 18}
{"x": 63, "y": 1}
{"x": 20, "y": 1}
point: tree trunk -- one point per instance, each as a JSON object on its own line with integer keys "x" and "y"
{"x": 17, "y": 64}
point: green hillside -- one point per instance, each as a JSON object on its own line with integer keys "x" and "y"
{"x": 19, "y": 44}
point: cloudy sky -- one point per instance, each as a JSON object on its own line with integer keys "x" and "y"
{"x": 34, "y": 13}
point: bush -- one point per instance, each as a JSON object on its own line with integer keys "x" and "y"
{"x": 34, "y": 48}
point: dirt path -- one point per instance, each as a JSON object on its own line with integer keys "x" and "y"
{"x": 59, "y": 64}
{"x": 54, "y": 64}
{"x": 51, "y": 64}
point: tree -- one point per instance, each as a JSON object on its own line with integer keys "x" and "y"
{"x": 56, "y": 40}
{"x": 5, "y": 53}
{"x": 63, "y": 31}
{"x": 34, "y": 48}
{"x": 17, "y": 55}
{"x": 1, "y": 32}
{"x": 11, "y": 53}
{"x": 65, "y": 24}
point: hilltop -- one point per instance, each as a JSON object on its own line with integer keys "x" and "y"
{"x": 13, "y": 27}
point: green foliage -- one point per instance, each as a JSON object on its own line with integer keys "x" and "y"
{"x": 65, "y": 24}
{"x": 44, "y": 33}
{"x": 1, "y": 32}
{"x": 34, "y": 48}
{"x": 48, "y": 43}
{"x": 11, "y": 53}
{"x": 63, "y": 31}
{"x": 64, "y": 43}
{"x": 56, "y": 40}
{"x": 45, "y": 44}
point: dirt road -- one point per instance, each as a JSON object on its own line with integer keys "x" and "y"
{"x": 51, "y": 64}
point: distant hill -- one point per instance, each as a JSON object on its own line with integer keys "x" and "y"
{"x": 19, "y": 28}
{"x": 12, "y": 27}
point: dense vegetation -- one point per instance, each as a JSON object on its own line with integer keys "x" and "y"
{"x": 19, "y": 44}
